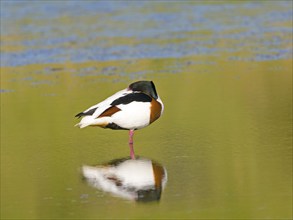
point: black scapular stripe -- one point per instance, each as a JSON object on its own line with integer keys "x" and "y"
{"x": 89, "y": 112}
{"x": 132, "y": 97}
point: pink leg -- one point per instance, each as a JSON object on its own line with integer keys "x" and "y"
{"x": 131, "y": 133}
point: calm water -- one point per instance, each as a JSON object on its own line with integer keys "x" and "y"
{"x": 223, "y": 71}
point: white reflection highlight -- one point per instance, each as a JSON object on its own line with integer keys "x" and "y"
{"x": 141, "y": 179}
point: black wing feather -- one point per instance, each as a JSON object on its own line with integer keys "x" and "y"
{"x": 132, "y": 97}
{"x": 89, "y": 112}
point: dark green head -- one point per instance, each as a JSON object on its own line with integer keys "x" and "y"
{"x": 147, "y": 87}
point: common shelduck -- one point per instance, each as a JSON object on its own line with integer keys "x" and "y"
{"x": 140, "y": 180}
{"x": 130, "y": 109}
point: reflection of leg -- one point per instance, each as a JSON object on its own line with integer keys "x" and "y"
{"x": 131, "y": 133}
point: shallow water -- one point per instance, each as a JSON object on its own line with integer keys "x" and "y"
{"x": 223, "y": 71}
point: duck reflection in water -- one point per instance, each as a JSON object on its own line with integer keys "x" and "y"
{"x": 141, "y": 179}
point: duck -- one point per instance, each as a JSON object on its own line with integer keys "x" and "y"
{"x": 133, "y": 108}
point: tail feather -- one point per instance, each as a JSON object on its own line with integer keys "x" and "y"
{"x": 86, "y": 121}
{"x": 90, "y": 120}
{"x": 80, "y": 125}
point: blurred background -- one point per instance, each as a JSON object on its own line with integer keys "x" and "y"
{"x": 222, "y": 68}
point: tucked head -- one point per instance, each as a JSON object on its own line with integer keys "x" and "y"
{"x": 147, "y": 87}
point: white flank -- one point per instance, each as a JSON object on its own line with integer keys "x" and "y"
{"x": 135, "y": 115}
